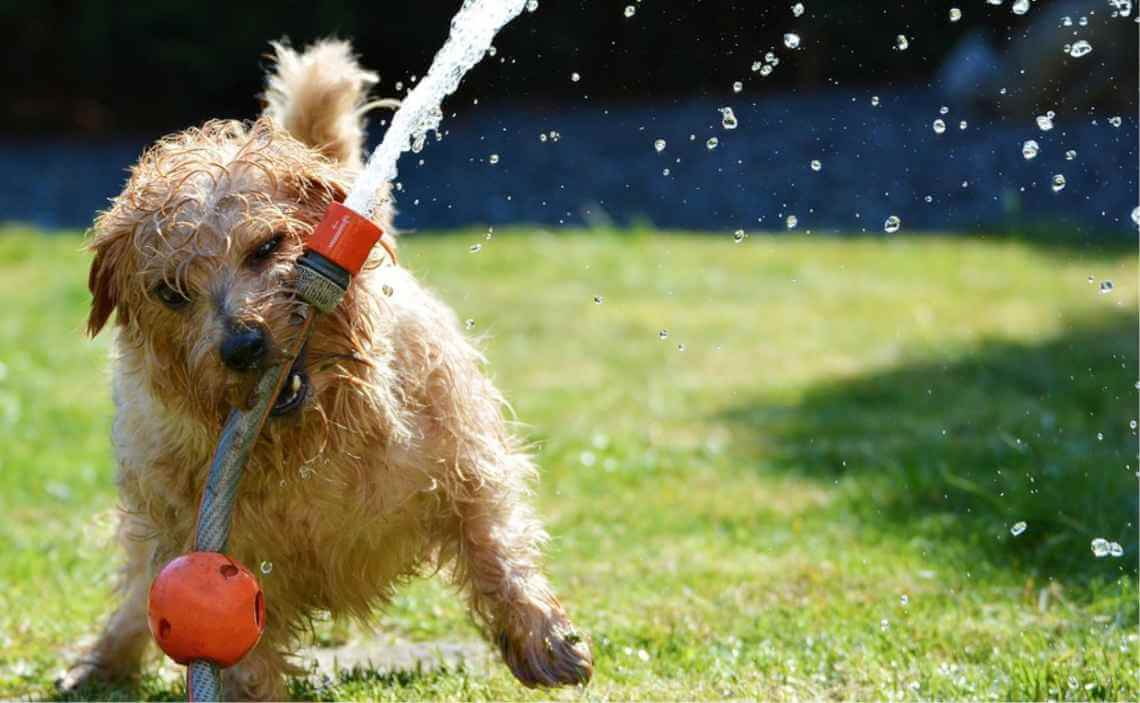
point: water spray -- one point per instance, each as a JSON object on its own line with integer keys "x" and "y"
{"x": 205, "y": 609}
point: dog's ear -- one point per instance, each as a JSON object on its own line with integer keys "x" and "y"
{"x": 320, "y": 96}
{"x": 104, "y": 280}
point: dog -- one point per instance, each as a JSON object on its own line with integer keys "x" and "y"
{"x": 386, "y": 455}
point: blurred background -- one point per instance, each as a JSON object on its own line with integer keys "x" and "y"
{"x": 578, "y": 92}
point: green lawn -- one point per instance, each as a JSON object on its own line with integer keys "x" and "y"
{"x": 805, "y": 490}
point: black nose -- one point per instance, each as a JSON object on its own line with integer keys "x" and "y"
{"x": 244, "y": 347}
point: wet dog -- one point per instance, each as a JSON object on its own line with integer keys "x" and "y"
{"x": 386, "y": 455}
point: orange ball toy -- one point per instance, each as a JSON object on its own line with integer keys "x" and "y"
{"x": 205, "y": 605}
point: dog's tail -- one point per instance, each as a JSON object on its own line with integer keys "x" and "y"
{"x": 320, "y": 96}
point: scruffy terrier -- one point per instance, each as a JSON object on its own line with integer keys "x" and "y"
{"x": 386, "y": 455}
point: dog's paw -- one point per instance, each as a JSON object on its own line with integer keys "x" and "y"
{"x": 85, "y": 675}
{"x": 552, "y": 654}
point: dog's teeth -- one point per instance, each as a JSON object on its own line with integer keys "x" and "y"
{"x": 296, "y": 384}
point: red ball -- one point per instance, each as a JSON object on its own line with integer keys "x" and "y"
{"x": 205, "y": 605}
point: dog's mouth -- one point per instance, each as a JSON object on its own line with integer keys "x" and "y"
{"x": 296, "y": 388}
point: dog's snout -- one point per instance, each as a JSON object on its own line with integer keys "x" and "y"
{"x": 244, "y": 347}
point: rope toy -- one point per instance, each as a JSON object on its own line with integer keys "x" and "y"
{"x": 205, "y": 609}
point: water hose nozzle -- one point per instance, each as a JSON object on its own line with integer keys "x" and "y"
{"x": 335, "y": 253}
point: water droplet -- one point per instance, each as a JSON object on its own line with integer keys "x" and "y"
{"x": 737, "y": 87}
{"x": 902, "y": 43}
{"x": 792, "y": 221}
{"x": 491, "y": 50}
{"x": 387, "y": 290}
{"x": 680, "y": 347}
{"x": 738, "y": 236}
{"x": 1017, "y": 528}
{"x": 665, "y": 171}
{"x": 1074, "y": 683}
{"x": 928, "y": 198}
{"x": 904, "y": 599}
{"x": 1045, "y": 122}
{"x": 1020, "y": 7}
{"x": 884, "y": 625}
{"x": 1120, "y": 8}
{"x": 1105, "y": 287}
{"x": 1115, "y": 121}
{"x": 575, "y": 77}
{"x": 555, "y": 135}
{"x": 266, "y": 567}
{"x": 630, "y": 10}
{"x": 728, "y": 118}
{"x": 1080, "y": 48}
{"x": 1100, "y": 436}
{"x": 798, "y": 9}
{"x": 659, "y": 145}
{"x": 943, "y": 110}
{"x": 531, "y": 5}
{"x": 712, "y": 143}
{"x": 1030, "y": 149}
{"x": 963, "y": 124}
{"x": 1136, "y": 215}
{"x": 1115, "y": 549}
{"x": 663, "y": 334}
{"x": 939, "y": 126}
{"x": 892, "y": 224}
{"x": 1058, "y": 183}
{"x": 756, "y": 66}
{"x": 1100, "y": 547}
{"x": 766, "y": 70}
{"x": 490, "y": 234}
{"x": 643, "y": 655}
{"x": 955, "y": 14}
{"x": 816, "y": 165}
{"x": 493, "y": 159}
{"x": 1070, "y": 155}
{"x": 1132, "y": 424}
{"x": 475, "y": 248}
{"x": 792, "y": 40}
{"x": 469, "y": 324}
{"x": 874, "y": 101}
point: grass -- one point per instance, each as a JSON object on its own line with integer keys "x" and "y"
{"x": 849, "y": 424}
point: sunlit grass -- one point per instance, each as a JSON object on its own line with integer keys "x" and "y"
{"x": 737, "y": 508}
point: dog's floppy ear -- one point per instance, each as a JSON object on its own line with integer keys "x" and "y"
{"x": 103, "y": 280}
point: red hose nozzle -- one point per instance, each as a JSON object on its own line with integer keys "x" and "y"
{"x": 345, "y": 237}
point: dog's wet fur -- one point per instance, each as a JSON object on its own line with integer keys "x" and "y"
{"x": 396, "y": 461}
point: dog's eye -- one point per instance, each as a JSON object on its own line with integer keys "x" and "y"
{"x": 170, "y": 297}
{"x": 266, "y": 249}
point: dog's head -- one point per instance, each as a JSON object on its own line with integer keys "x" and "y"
{"x": 195, "y": 256}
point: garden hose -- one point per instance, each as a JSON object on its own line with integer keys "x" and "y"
{"x": 336, "y": 251}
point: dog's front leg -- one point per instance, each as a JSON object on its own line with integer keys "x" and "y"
{"x": 499, "y": 539}
{"x": 117, "y": 653}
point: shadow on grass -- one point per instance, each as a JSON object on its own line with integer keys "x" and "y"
{"x": 955, "y": 453}
{"x": 311, "y": 688}
{"x": 1107, "y": 243}
{"x": 149, "y": 688}
{"x": 326, "y": 688}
